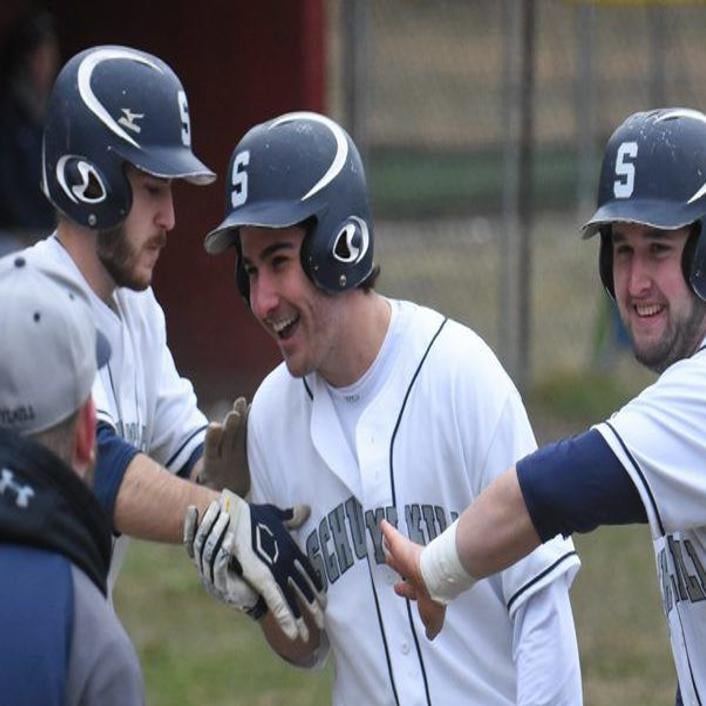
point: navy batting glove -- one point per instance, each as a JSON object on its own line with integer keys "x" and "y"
{"x": 255, "y": 543}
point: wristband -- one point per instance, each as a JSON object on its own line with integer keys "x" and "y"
{"x": 442, "y": 571}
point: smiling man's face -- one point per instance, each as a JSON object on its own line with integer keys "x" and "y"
{"x": 299, "y": 316}
{"x": 665, "y": 319}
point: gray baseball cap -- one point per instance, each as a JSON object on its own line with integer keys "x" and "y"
{"x": 50, "y": 349}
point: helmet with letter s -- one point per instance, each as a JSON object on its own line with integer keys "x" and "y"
{"x": 654, "y": 174}
{"x": 301, "y": 168}
{"x": 112, "y": 105}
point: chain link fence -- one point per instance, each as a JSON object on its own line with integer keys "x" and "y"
{"x": 432, "y": 92}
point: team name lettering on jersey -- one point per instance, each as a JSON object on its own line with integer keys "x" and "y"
{"x": 135, "y": 434}
{"x": 341, "y": 537}
{"x": 683, "y": 578}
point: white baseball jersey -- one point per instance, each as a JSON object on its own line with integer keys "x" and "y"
{"x": 444, "y": 422}
{"x": 139, "y": 392}
{"x": 660, "y": 439}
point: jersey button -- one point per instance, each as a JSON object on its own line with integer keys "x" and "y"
{"x": 405, "y": 648}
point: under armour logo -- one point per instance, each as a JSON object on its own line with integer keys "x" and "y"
{"x": 22, "y": 492}
{"x": 128, "y": 120}
{"x": 266, "y": 544}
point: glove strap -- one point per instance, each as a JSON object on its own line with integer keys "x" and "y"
{"x": 442, "y": 571}
{"x": 258, "y": 610}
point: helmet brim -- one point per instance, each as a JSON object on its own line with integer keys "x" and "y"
{"x": 170, "y": 163}
{"x": 654, "y": 213}
{"x": 265, "y": 214}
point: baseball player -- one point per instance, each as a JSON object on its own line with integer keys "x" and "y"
{"x": 381, "y": 409}
{"x": 645, "y": 463}
{"x": 117, "y": 135}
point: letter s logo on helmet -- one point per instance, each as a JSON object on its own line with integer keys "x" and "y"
{"x": 654, "y": 174}
{"x": 113, "y": 105}
{"x": 302, "y": 169}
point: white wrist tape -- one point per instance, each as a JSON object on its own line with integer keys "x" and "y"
{"x": 442, "y": 571}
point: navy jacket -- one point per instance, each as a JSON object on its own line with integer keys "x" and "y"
{"x": 61, "y": 641}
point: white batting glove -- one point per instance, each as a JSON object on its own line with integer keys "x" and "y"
{"x": 257, "y": 546}
{"x": 223, "y": 585}
{"x": 225, "y": 454}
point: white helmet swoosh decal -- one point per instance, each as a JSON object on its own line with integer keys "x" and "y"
{"x": 61, "y": 177}
{"x": 341, "y": 146}
{"x": 682, "y": 113}
{"x": 694, "y": 115}
{"x": 45, "y": 184}
{"x": 698, "y": 194}
{"x": 85, "y": 71}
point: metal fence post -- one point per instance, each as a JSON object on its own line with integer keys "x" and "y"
{"x": 357, "y": 45}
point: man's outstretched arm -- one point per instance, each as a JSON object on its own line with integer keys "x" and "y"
{"x": 492, "y": 533}
{"x": 574, "y": 485}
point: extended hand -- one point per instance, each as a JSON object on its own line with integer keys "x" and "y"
{"x": 403, "y": 556}
{"x": 252, "y": 541}
{"x": 222, "y": 584}
{"x": 225, "y": 454}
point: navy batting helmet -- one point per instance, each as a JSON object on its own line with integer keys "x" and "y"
{"x": 111, "y": 105}
{"x": 295, "y": 168}
{"x": 654, "y": 174}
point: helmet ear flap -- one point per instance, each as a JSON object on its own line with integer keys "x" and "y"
{"x": 341, "y": 261}
{"x": 605, "y": 261}
{"x": 93, "y": 196}
{"x": 693, "y": 261}
{"x": 309, "y": 254}
{"x": 81, "y": 180}
{"x": 242, "y": 281}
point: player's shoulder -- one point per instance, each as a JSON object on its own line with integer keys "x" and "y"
{"x": 452, "y": 333}
{"x": 457, "y": 350}
{"x": 279, "y": 399}
{"x": 43, "y": 252}
{"x": 426, "y": 324}
{"x": 683, "y": 381}
{"x": 49, "y": 255}
{"x": 676, "y": 400}
{"x": 277, "y": 389}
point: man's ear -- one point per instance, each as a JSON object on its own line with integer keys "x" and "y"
{"x": 85, "y": 437}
